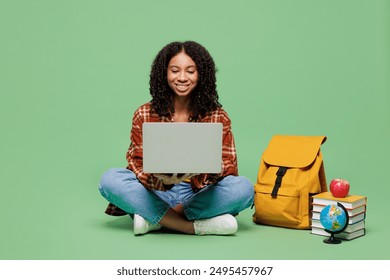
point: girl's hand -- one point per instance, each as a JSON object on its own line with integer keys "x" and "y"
{"x": 173, "y": 178}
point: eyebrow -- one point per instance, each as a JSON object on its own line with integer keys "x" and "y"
{"x": 170, "y": 66}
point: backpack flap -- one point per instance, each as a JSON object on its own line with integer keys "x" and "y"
{"x": 292, "y": 155}
{"x": 293, "y": 151}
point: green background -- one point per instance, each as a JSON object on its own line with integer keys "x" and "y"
{"x": 73, "y": 72}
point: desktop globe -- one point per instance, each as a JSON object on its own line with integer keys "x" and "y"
{"x": 334, "y": 219}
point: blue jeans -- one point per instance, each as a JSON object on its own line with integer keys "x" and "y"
{"x": 121, "y": 187}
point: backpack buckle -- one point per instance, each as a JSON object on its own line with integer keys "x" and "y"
{"x": 280, "y": 173}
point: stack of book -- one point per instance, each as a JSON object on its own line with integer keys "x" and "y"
{"x": 356, "y": 206}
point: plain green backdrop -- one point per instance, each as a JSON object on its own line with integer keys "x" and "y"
{"x": 73, "y": 72}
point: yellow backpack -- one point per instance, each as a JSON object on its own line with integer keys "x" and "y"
{"x": 291, "y": 171}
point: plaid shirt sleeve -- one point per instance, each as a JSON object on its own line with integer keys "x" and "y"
{"x": 134, "y": 154}
{"x": 229, "y": 155}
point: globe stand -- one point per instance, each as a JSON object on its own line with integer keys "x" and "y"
{"x": 332, "y": 239}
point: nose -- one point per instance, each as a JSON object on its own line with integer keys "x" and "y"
{"x": 182, "y": 76}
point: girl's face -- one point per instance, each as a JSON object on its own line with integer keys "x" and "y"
{"x": 182, "y": 74}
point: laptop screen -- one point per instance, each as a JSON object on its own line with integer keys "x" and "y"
{"x": 182, "y": 147}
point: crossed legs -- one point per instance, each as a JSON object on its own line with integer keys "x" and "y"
{"x": 179, "y": 207}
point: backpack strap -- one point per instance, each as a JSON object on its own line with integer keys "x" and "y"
{"x": 279, "y": 176}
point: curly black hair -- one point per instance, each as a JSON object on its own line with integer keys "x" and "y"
{"x": 204, "y": 97}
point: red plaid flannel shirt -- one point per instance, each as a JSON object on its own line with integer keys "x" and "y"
{"x": 134, "y": 153}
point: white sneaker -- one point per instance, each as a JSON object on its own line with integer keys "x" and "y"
{"x": 220, "y": 225}
{"x": 142, "y": 226}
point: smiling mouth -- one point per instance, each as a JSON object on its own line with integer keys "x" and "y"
{"x": 182, "y": 87}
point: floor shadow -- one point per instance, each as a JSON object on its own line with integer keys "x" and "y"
{"x": 122, "y": 223}
{"x": 126, "y": 223}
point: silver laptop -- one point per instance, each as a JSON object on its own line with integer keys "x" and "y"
{"x": 182, "y": 147}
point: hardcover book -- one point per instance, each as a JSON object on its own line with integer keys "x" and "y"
{"x": 349, "y": 202}
{"x": 350, "y": 228}
{"x": 352, "y": 220}
{"x": 351, "y": 212}
{"x": 343, "y": 235}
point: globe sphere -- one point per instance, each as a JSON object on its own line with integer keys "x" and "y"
{"x": 333, "y": 218}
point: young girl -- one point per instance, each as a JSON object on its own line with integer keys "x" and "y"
{"x": 183, "y": 89}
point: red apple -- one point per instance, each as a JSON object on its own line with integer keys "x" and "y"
{"x": 339, "y": 187}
